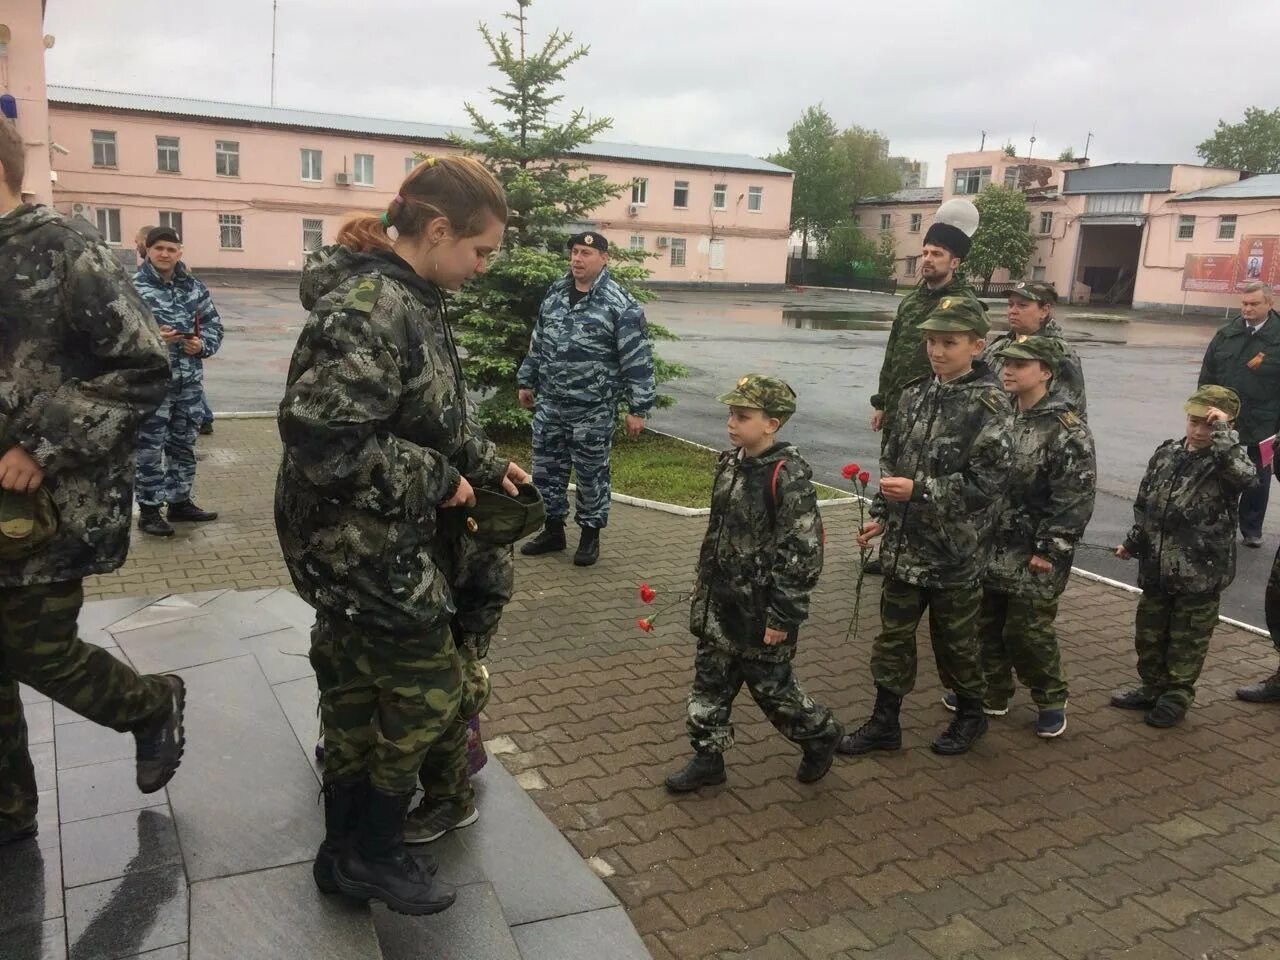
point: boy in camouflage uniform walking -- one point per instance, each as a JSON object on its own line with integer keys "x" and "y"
{"x": 1183, "y": 536}
{"x": 80, "y": 366}
{"x": 1047, "y": 503}
{"x": 943, "y": 469}
{"x": 760, "y": 559}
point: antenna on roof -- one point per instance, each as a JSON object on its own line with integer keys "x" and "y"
{"x": 275, "y": 6}
{"x": 1087, "y": 140}
{"x": 983, "y": 145}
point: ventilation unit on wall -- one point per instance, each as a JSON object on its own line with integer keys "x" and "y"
{"x": 83, "y": 211}
{"x": 664, "y": 241}
{"x": 633, "y": 210}
{"x": 342, "y": 179}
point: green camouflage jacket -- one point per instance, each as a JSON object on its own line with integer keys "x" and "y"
{"x": 376, "y": 432}
{"x": 952, "y": 439}
{"x": 1068, "y": 384}
{"x": 904, "y": 356}
{"x": 1186, "y": 513}
{"x": 1047, "y": 500}
{"x": 81, "y": 365}
{"x": 762, "y": 553}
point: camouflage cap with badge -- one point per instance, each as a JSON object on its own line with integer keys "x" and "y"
{"x": 1048, "y": 350}
{"x": 1035, "y": 290}
{"x": 759, "y": 392}
{"x": 958, "y": 315}
{"x": 1211, "y": 395}
{"x": 497, "y": 517}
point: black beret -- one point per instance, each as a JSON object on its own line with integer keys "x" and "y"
{"x": 157, "y": 234}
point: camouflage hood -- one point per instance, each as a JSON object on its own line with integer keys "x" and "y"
{"x": 24, "y": 220}
{"x": 330, "y": 266}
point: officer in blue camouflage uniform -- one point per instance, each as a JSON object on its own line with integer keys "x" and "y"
{"x": 80, "y": 366}
{"x": 191, "y": 327}
{"x": 590, "y": 348}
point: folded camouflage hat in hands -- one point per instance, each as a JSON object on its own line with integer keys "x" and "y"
{"x": 498, "y": 517}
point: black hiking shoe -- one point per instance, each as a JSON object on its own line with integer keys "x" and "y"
{"x": 1136, "y": 699}
{"x": 881, "y": 732}
{"x": 188, "y": 512}
{"x": 1165, "y": 713}
{"x": 161, "y": 742}
{"x": 588, "y": 548}
{"x": 1264, "y": 691}
{"x": 818, "y": 758}
{"x": 150, "y": 521}
{"x": 704, "y": 770}
{"x": 550, "y": 540}
{"x": 968, "y": 724}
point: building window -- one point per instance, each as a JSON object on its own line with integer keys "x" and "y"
{"x": 226, "y": 158}
{"x": 1186, "y": 227}
{"x": 1010, "y": 176}
{"x": 911, "y": 266}
{"x": 1227, "y": 227}
{"x": 104, "y": 148}
{"x": 1046, "y": 222}
{"x": 173, "y": 220}
{"x": 109, "y": 224}
{"x": 312, "y": 235}
{"x": 364, "y": 169}
{"x": 637, "y": 242}
{"x": 311, "y": 168}
{"x": 755, "y": 199}
{"x": 1037, "y": 273}
{"x": 715, "y": 259}
{"x": 681, "y": 198}
{"x": 720, "y": 196}
{"x": 677, "y": 251}
{"x": 167, "y": 154}
{"x": 916, "y": 220}
{"x": 230, "y": 231}
{"x": 970, "y": 180}
{"x": 886, "y": 221}
{"x": 640, "y": 190}
{"x": 409, "y": 164}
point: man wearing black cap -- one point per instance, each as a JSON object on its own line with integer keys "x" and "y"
{"x": 190, "y": 326}
{"x": 590, "y": 350}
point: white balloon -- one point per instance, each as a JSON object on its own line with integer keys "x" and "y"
{"x": 961, "y": 214}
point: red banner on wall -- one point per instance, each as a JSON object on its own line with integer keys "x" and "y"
{"x": 1208, "y": 273}
{"x": 1258, "y": 260}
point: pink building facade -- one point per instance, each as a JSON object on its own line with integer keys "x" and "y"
{"x": 254, "y": 188}
{"x": 22, "y": 77}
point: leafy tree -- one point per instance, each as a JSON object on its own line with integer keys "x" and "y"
{"x": 1252, "y": 145}
{"x": 1002, "y": 238}
{"x": 867, "y": 170}
{"x": 817, "y": 191}
{"x": 847, "y": 245}
{"x": 548, "y": 193}
{"x": 886, "y": 255}
{"x": 1010, "y": 150}
{"x": 1067, "y": 155}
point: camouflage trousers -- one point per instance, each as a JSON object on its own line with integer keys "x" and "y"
{"x": 953, "y": 620}
{"x": 385, "y": 699}
{"x": 167, "y": 446}
{"x": 40, "y": 646}
{"x": 566, "y": 437}
{"x": 1016, "y": 634}
{"x": 1271, "y": 601}
{"x": 443, "y": 774}
{"x": 1171, "y": 635}
{"x": 718, "y": 676}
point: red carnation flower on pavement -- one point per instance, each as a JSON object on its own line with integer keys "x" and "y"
{"x": 864, "y": 478}
{"x": 647, "y": 593}
{"x": 849, "y": 471}
{"x": 644, "y": 625}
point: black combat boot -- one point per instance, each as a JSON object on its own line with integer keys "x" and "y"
{"x": 376, "y": 866}
{"x": 342, "y": 803}
{"x": 818, "y": 756}
{"x": 881, "y": 732}
{"x": 550, "y": 540}
{"x": 188, "y": 512}
{"x": 150, "y": 521}
{"x": 704, "y": 770}
{"x": 968, "y": 724}
{"x": 588, "y": 548}
{"x": 162, "y": 739}
{"x": 1264, "y": 691}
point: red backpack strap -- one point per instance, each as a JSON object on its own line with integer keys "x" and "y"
{"x": 773, "y": 482}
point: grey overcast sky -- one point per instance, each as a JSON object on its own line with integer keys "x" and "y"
{"x": 1149, "y": 79}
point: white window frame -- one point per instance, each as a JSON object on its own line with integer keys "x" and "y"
{"x": 1227, "y": 226}
{"x": 917, "y": 222}
{"x": 720, "y": 197}
{"x": 103, "y": 143}
{"x": 171, "y": 149}
{"x": 678, "y": 245}
{"x": 755, "y": 195}
{"x": 886, "y": 221}
{"x": 983, "y": 175}
{"x": 173, "y": 220}
{"x": 314, "y": 226}
{"x": 410, "y": 163}
{"x": 1038, "y": 273}
{"x": 108, "y": 222}
{"x": 1186, "y": 220}
{"x": 308, "y": 155}
{"x": 637, "y": 242}
{"x": 226, "y": 154}
{"x": 357, "y": 161}
{"x": 912, "y": 264}
{"x": 1046, "y": 222}
{"x": 640, "y": 191}
{"x": 230, "y": 222}
{"x": 1010, "y": 176}
{"x": 675, "y": 195}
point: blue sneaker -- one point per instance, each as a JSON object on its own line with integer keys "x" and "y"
{"x": 1051, "y": 722}
{"x": 950, "y": 701}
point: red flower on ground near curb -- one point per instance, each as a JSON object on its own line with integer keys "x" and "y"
{"x": 644, "y": 624}
{"x": 647, "y": 593}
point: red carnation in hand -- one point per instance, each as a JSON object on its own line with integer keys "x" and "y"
{"x": 644, "y": 625}
{"x": 864, "y": 478}
{"x": 647, "y": 593}
{"x": 849, "y": 471}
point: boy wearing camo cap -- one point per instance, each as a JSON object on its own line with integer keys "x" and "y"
{"x": 760, "y": 559}
{"x": 1184, "y": 539}
{"x": 1047, "y": 502}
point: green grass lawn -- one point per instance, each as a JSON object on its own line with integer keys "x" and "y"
{"x": 654, "y": 467}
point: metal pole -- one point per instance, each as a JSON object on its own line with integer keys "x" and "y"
{"x": 1087, "y": 140}
{"x": 275, "y": 6}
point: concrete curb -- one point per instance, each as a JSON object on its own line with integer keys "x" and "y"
{"x": 246, "y": 415}
{"x": 1129, "y": 588}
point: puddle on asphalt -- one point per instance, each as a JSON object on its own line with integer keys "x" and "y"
{"x": 799, "y": 318}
